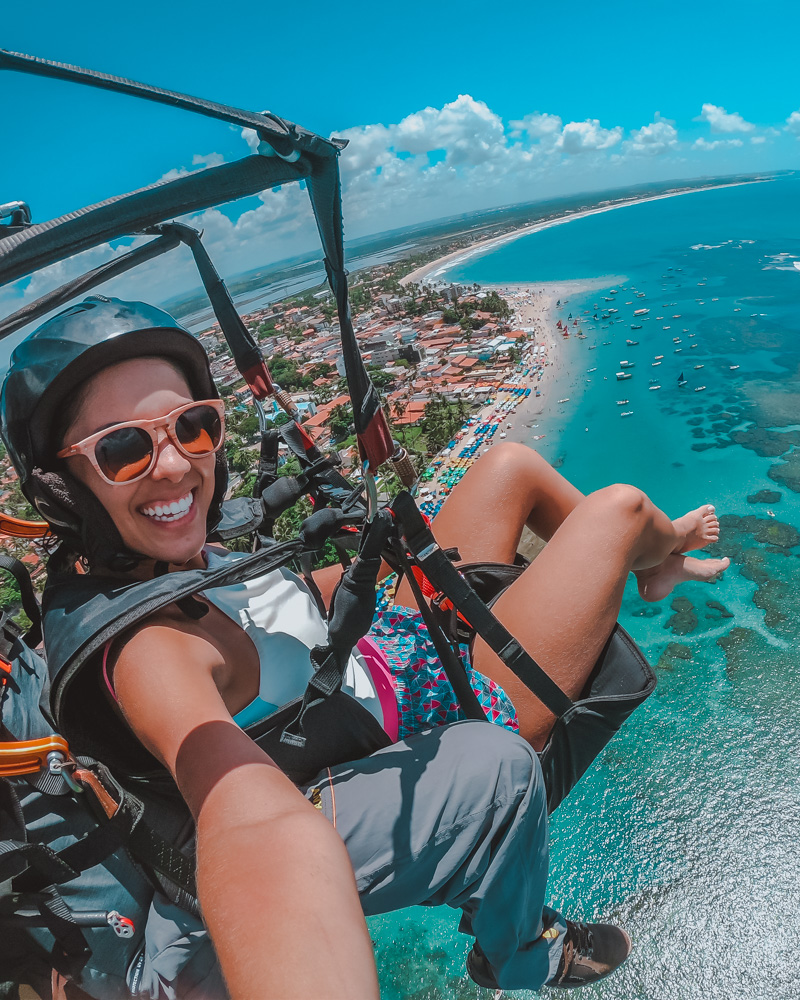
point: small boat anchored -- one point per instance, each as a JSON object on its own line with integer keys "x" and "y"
{"x": 621, "y": 376}
{"x": 623, "y": 402}
{"x": 699, "y": 388}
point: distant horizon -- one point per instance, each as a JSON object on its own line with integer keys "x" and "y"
{"x": 451, "y": 227}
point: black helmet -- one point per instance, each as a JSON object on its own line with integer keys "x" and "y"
{"x": 46, "y": 370}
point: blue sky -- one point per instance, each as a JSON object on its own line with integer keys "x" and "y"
{"x": 449, "y": 107}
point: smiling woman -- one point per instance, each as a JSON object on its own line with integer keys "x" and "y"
{"x": 154, "y": 475}
{"x": 131, "y": 483}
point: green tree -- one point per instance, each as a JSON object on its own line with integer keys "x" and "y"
{"x": 442, "y": 420}
{"x": 286, "y": 374}
{"x": 340, "y": 421}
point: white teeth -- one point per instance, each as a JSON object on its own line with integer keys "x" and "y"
{"x": 173, "y": 511}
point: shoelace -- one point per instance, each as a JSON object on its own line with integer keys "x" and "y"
{"x": 582, "y": 938}
{"x": 578, "y": 941}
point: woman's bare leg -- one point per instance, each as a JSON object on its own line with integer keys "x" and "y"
{"x": 564, "y": 606}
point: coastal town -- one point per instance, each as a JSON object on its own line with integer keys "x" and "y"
{"x": 451, "y": 362}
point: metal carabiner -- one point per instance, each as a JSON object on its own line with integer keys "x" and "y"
{"x": 372, "y": 491}
{"x": 58, "y": 764}
{"x": 262, "y": 415}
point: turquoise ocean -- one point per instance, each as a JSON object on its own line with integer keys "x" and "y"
{"x": 686, "y": 829}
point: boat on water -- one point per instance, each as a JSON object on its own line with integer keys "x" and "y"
{"x": 626, "y": 413}
{"x": 640, "y": 312}
{"x": 636, "y": 326}
{"x": 621, "y": 376}
{"x": 565, "y": 400}
{"x": 627, "y": 364}
{"x": 677, "y": 316}
{"x": 652, "y": 387}
{"x": 590, "y": 370}
{"x": 699, "y": 388}
{"x": 623, "y": 402}
{"x": 677, "y": 350}
{"x": 654, "y": 364}
{"x": 592, "y": 347}
{"x": 658, "y": 357}
{"x": 606, "y": 343}
{"x": 631, "y": 343}
{"x": 733, "y": 368}
{"x": 698, "y": 367}
{"x": 682, "y": 380}
{"x": 676, "y": 340}
{"x": 770, "y": 513}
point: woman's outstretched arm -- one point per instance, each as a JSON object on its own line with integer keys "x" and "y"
{"x": 274, "y": 879}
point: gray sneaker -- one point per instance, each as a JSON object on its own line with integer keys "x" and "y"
{"x": 591, "y": 952}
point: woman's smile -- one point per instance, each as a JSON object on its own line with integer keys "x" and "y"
{"x": 169, "y": 511}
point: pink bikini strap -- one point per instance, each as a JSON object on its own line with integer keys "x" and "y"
{"x": 109, "y": 685}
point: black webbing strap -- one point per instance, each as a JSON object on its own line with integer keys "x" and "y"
{"x": 451, "y": 662}
{"x": 127, "y": 829}
{"x": 267, "y": 460}
{"x": 245, "y": 351}
{"x": 351, "y": 614}
{"x": 446, "y": 578}
{"x": 374, "y": 438}
{"x": 61, "y": 295}
{"x": 30, "y": 604}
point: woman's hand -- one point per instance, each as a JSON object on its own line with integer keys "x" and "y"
{"x": 274, "y": 879}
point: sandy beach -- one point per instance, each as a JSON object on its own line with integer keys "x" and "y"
{"x": 516, "y": 417}
{"x": 438, "y": 266}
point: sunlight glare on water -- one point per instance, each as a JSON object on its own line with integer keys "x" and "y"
{"x": 686, "y": 829}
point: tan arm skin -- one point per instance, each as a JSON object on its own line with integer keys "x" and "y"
{"x": 274, "y": 880}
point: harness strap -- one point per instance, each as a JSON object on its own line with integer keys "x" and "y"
{"x": 445, "y": 577}
{"x": 351, "y": 614}
{"x": 30, "y": 604}
{"x": 451, "y": 662}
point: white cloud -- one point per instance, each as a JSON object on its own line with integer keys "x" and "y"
{"x": 793, "y": 123}
{"x": 536, "y": 125}
{"x": 707, "y": 146}
{"x": 655, "y": 139}
{"x": 721, "y": 121}
{"x": 582, "y": 137}
{"x": 435, "y": 162}
{"x": 208, "y": 160}
{"x": 199, "y": 162}
{"x": 757, "y": 140}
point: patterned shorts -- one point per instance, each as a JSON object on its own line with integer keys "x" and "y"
{"x": 424, "y": 696}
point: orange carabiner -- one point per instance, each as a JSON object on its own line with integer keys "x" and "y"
{"x": 19, "y": 528}
{"x": 30, "y": 756}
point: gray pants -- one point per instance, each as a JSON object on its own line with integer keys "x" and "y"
{"x": 455, "y": 815}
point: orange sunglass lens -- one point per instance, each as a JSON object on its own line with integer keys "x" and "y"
{"x": 124, "y": 454}
{"x": 199, "y": 430}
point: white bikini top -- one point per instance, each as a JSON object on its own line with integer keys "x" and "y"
{"x": 279, "y": 614}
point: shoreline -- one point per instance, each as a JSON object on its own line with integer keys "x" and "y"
{"x": 458, "y": 256}
{"x": 534, "y": 305}
{"x": 550, "y": 373}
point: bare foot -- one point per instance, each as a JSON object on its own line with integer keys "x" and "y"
{"x": 656, "y": 583}
{"x": 696, "y": 529}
